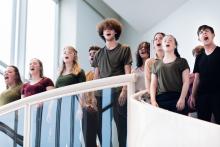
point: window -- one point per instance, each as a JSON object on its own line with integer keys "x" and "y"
{"x": 5, "y": 29}
{"x": 41, "y": 34}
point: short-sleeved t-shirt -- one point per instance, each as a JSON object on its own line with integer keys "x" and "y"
{"x": 10, "y": 95}
{"x": 170, "y": 75}
{"x": 112, "y": 62}
{"x": 28, "y": 89}
{"x": 65, "y": 80}
{"x": 208, "y": 67}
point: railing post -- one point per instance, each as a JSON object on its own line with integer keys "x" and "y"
{"x": 27, "y": 125}
{"x": 130, "y": 92}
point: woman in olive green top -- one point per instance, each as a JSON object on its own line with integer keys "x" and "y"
{"x": 170, "y": 79}
{"x": 13, "y": 86}
{"x": 70, "y": 73}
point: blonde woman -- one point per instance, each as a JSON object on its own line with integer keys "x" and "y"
{"x": 70, "y": 73}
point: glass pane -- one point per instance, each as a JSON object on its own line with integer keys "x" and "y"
{"x": 87, "y": 119}
{"x": 40, "y": 34}
{"x": 5, "y": 29}
{"x": 11, "y": 129}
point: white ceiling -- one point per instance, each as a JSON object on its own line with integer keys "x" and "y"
{"x": 144, "y": 14}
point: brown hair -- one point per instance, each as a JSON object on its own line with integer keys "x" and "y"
{"x": 75, "y": 67}
{"x": 110, "y": 23}
{"x": 197, "y": 50}
{"x": 41, "y": 67}
{"x": 138, "y": 57}
{"x": 95, "y": 48}
{"x": 203, "y": 27}
{"x": 17, "y": 76}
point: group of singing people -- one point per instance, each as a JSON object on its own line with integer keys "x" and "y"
{"x": 166, "y": 78}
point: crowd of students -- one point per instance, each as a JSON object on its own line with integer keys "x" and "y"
{"x": 166, "y": 79}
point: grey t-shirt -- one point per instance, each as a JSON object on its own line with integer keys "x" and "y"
{"x": 169, "y": 75}
{"x": 112, "y": 62}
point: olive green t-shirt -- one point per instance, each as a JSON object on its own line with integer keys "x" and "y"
{"x": 112, "y": 62}
{"x": 169, "y": 75}
{"x": 65, "y": 80}
{"x": 10, "y": 95}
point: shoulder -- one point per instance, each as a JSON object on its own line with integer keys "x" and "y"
{"x": 181, "y": 60}
{"x": 150, "y": 61}
{"x": 124, "y": 47}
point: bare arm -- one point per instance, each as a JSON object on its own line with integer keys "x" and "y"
{"x": 185, "y": 78}
{"x": 123, "y": 95}
{"x": 49, "y": 88}
{"x": 147, "y": 75}
{"x": 194, "y": 90}
{"x": 96, "y": 76}
{"x": 153, "y": 89}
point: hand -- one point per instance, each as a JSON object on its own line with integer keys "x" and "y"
{"x": 122, "y": 98}
{"x": 180, "y": 104}
{"x": 192, "y": 102}
{"x": 154, "y": 103}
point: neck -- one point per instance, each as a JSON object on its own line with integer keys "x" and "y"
{"x": 11, "y": 85}
{"x": 209, "y": 47}
{"x": 111, "y": 44}
{"x": 68, "y": 67}
{"x": 35, "y": 77}
{"x": 169, "y": 56}
{"x": 160, "y": 53}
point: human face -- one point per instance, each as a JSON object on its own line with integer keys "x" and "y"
{"x": 109, "y": 34}
{"x": 168, "y": 43}
{"x": 35, "y": 67}
{"x": 206, "y": 36}
{"x": 158, "y": 41}
{"x": 69, "y": 55}
{"x": 144, "y": 51}
{"x": 92, "y": 55}
{"x": 9, "y": 76}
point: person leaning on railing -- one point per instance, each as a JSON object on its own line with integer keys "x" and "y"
{"x": 13, "y": 85}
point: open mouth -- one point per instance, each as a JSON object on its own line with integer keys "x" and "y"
{"x": 159, "y": 44}
{"x": 92, "y": 58}
{"x": 31, "y": 68}
{"x": 167, "y": 45}
{"x": 6, "y": 77}
{"x": 66, "y": 57}
{"x": 206, "y": 38}
{"x": 108, "y": 34}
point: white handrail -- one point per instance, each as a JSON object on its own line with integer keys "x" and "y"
{"x": 69, "y": 90}
{"x": 123, "y": 80}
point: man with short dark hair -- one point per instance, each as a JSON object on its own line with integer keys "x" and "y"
{"x": 205, "y": 93}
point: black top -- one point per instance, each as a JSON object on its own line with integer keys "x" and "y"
{"x": 208, "y": 67}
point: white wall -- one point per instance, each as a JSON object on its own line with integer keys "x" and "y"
{"x": 87, "y": 19}
{"x": 184, "y": 22}
{"x": 67, "y": 23}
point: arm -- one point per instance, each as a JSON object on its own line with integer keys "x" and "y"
{"x": 123, "y": 95}
{"x": 49, "y": 87}
{"x": 185, "y": 78}
{"x": 96, "y": 76}
{"x": 153, "y": 88}
{"x": 147, "y": 75}
{"x": 194, "y": 90}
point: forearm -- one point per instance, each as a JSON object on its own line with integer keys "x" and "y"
{"x": 195, "y": 86}
{"x": 184, "y": 90}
